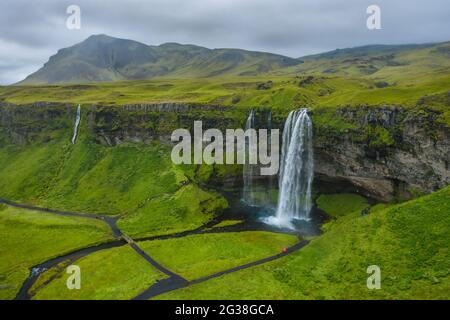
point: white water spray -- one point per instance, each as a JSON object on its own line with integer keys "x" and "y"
{"x": 77, "y": 124}
{"x": 296, "y": 170}
{"x": 249, "y": 169}
{"x": 270, "y": 188}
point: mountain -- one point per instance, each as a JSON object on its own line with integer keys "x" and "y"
{"x": 104, "y": 58}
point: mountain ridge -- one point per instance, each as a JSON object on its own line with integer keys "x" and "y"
{"x": 102, "y": 58}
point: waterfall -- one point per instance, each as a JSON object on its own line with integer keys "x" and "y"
{"x": 77, "y": 124}
{"x": 269, "y": 200}
{"x": 249, "y": 169}
{"x": 296, "y": 170}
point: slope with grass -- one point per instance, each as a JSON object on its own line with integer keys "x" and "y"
{"x": 107, "y": 180}
{"x": 409, "y": 242}
{"x": 88, "y": 176}
{"x": 29, "y": 238}
{"x": 137, "y": 181}
{"x": 187, "y": 209}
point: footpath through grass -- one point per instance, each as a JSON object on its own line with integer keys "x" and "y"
{"x": 111, "y": 274}
{"x": 201, "y": 255}
{"x": 29, "y": 238}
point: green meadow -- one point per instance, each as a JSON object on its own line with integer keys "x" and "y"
{"x": 198, "y": 256}
{"x": 29, "y": 238}
{"x": 110, "y": 274}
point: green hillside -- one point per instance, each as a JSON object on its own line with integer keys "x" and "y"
{"x": 409, "y": 242}
{"x": 130, "y": 180}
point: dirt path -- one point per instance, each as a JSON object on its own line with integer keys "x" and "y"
{"x": 173, "y": 282}
{"x": 122, "y": 239}
{"x": 37, "y": 270}
{"x": 169, "y": 285}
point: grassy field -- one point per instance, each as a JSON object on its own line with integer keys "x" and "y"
{"x": 409, "y": 242}
{"x": 284, "y": 92}
{"x": 29, "y": 238}
{"x": 338, "y": 205}
{"x": 111, "y": 274}
{"x": 200, "y": 255}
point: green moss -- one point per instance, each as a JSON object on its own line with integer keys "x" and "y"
{"x": 328, "y": 123}
{"x": 379, "y": 137}
{"x": 338, "y": 205}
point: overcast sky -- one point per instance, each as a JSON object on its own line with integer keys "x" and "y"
{"x": 31, "y": 31}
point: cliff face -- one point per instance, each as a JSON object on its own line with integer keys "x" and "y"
{"x": 385, "y": 152}
{"x": 382, "y": 152}
{"x": 39, "y": 122}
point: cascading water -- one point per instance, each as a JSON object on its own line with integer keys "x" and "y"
{"x": 249, "y": 169}
{"x": 296, "y": 170}
{"x": 270, "y": 189}
{"x": 77, "y": 124}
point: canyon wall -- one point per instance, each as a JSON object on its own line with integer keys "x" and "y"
{"x": 383, "y": 152}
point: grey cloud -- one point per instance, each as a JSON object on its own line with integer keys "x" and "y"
{"x": 35, "y": 30}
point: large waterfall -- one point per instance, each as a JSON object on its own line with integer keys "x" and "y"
{"x": 249, "y": 169}
{"x": 296, "y": 170}
{"x": 77, "y": 124}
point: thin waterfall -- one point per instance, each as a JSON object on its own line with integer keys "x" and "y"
{"x": 269, "y": 200}
{"x": 296, "y": 170}
{"x": 77, "y": 124}
{"x": 249, "y": 169}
